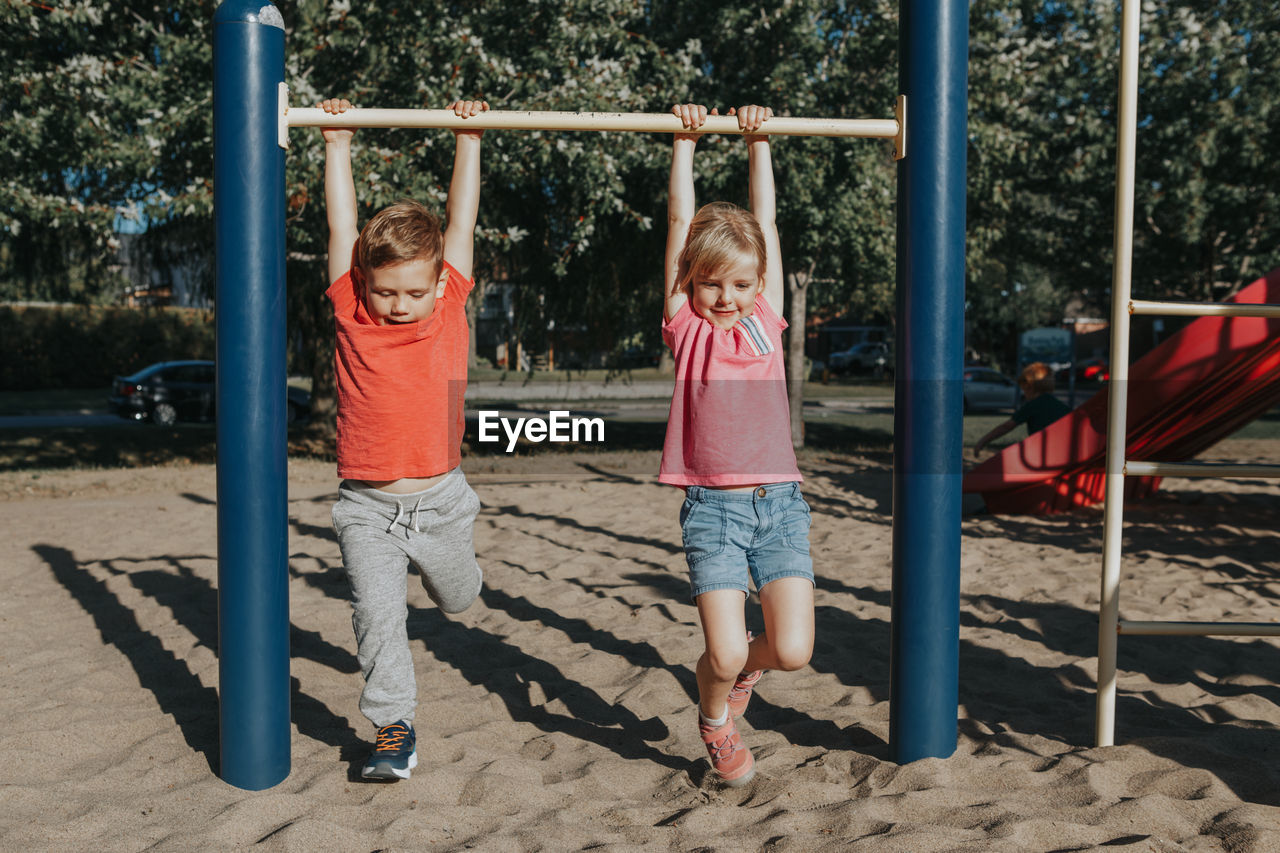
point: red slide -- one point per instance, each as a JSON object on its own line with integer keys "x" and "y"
{"x": 1192, "y": 391}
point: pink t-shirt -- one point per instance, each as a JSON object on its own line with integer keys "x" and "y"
{"x": 730, "y": 424}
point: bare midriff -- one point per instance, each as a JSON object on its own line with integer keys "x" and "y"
{"x": 405, "y": 485}
{"x": 732, "y": 488}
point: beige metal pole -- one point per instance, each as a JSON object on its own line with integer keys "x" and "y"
{"x": 1199, "y": 629}
{"x": 1134, "y": 468}
{"x": 626, "y": 122}
{"x": 1118, "y": 388}
{"x": 1203, "y": 309}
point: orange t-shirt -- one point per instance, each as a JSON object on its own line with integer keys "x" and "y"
{"x": 400, "y": 387}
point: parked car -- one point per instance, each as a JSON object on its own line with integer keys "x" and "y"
{"x": 635, "y": 357}
{"x": 873, "y": 358}
{"x": 1090, "y": 371}
{"x": 1093, "y": 370}
{"x": 173, "y": 391}
{"x": 986, "y": 389}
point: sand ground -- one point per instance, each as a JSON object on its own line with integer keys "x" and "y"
{"x": 557, "y": 713}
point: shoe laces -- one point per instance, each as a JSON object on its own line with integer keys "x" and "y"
{"x": 391, "y": 738}
{"x": 745, "y": 681}
{"x": 724, "y": 748}
{"x": 744, "y": 684}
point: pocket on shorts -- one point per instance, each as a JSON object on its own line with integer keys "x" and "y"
{"x": 471, "y": 503}
{"x": 338, "y": 514}
{"x": 796, "y": 526}
{"x": 348, "y": 511}
{"x": 702, "y": 526}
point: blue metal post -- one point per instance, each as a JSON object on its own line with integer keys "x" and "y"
{"x": 933, "y": 46}
{"x": 248, "y": 197}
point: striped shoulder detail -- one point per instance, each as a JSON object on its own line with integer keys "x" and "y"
{"x": 753, "y": 335}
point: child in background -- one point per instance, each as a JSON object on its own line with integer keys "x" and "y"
{"x": 728, "y": 442}
{"x": 399, "y": 289}
{"x": 1040, "y": 409}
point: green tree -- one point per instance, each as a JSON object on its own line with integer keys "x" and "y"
{"x": 103, "y": 119}
{"x": 107, "y": 112}
{"x": 1042, "y": 92}
{"x": 1209, "y": 183}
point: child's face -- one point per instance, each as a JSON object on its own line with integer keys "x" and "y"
{"x": 727, "y": 294}
{"x": 404, "y": 293}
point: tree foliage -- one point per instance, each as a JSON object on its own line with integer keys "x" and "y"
{"x": 106, "y": 118}
{"x": 1043, "y": 81}
{"x": 107, "y": 111}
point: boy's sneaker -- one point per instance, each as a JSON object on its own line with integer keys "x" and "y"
{"x": 730, "y": 758}
{"x": 740, "y": 693}
{"x": 394, "y": 753}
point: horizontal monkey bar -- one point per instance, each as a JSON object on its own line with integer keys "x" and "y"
{"x": 622, "y": 122}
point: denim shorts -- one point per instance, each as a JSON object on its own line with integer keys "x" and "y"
{"x": 728, "y": 535}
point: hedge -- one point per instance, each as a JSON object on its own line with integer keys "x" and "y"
{"x": 85, "y": 346}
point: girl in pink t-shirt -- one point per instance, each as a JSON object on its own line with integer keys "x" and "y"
{"x": 728, "y": 439}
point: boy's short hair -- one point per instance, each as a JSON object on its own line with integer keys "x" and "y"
{"x": 1036, "y": 377}
{"x": 719, "y": 233}
{"x": 402, "y": 232}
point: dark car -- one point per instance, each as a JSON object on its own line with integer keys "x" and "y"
{"x": 873, "y": 357}
{"x": 988, "y": 389}
{"x": 173, "y": 391}
{"x": 1093, "y": 370}
{"x": 634, "y": 357}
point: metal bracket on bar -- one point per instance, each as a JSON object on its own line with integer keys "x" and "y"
{"x": 1203, "y": 309}
{"x": 900, "y": 140}
{"x": 1134, "y": 468}
{"x": 282, "y": 115}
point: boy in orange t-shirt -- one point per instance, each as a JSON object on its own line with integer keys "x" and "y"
{"x": 399, "y": 290}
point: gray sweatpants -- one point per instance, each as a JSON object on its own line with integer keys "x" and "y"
{"x": 380, "y": 535}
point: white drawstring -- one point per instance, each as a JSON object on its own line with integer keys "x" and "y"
{"x": 413, "y": 517}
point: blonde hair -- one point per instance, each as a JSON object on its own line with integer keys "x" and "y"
{"x": 719, "y": 234}
{"x": 1037, "y": 377}
{"x": 403, "y": 232}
